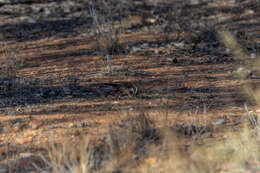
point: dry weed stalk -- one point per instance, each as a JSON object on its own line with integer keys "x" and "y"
{"x": 68, "y": 158}
{"x": 241, "y": 71}
{"x": 107, "y": 34}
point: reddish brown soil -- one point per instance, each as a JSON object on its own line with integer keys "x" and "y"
{"x": 196, "y": 82}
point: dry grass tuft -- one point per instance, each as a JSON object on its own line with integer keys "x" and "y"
{"x": 246, "y": 66}
{"x": 106, "y": 32}
{"x": 160, "y": 150}
{"x": 119, "y": 150}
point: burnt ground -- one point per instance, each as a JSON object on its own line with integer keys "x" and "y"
{"x": 57, "y": 83}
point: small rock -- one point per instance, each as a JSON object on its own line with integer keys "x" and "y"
{"x": 252, "y": 56}
{"x": 151, "y": 20}
{"x": 156, "y": 51}
{"x": 23, "y": 140}
{"x": 71, "y": 125}
{"x": 17, "y": 126}
{"x": 194, "y": 2}
{"x": 220, "y": 121}
{"x": 134, "y": 49}
{"x": 179, "y": 45}
{"x": 66, "y": 91}
{"x": 165, "y": 60}
{"x": 206, "y": 135}
{"x": 35, "y": 124}
{"x": 144, "y": 45}
{"x": 26, "y": 155}
{"x": 81, "y": 124}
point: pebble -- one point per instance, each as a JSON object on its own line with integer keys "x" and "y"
{"x": 35, "y": 124}
{"x": 26, "y": 155}
{"x": 220, "y": 121}
{"x": 66, "y": 91}
{"x": 23, "y": 140}
{"x": 17, "y": 127}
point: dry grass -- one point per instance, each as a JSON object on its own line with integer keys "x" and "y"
{"x": 141, "y": 144}
{"x": 107, "y": 33}
{"x": 160, "y": 150}
{"x": 144, "y": 147}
